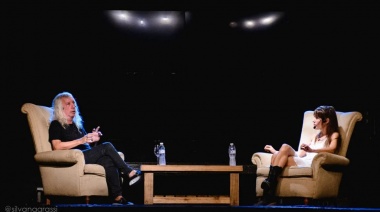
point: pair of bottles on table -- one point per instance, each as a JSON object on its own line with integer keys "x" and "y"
{"x": 161, "y": 154}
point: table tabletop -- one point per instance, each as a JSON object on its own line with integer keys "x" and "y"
{"x": 191, "y": 168}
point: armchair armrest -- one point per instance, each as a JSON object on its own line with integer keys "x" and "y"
{"x": 329, "y": 162}
{"x": 261, "y": 159}
{"x": 62, "y": 157}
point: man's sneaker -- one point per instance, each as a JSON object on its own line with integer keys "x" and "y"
{"x": 134, "y": 179}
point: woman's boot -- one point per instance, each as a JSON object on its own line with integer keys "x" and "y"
{"x": 274, "y": 172}
{"x": 269, "y": 186}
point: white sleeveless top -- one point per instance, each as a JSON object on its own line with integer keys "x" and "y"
{"x": 308, "y": 158}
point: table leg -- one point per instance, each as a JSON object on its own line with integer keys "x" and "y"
{"x": 234, "y": 189}
{"x": 148, "y": 188}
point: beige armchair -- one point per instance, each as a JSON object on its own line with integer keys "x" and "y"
{"x": 63, "y": 172}
{"x": 321, "y": 181}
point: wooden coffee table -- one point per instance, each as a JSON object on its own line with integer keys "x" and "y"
{"x": 150, "y": 198}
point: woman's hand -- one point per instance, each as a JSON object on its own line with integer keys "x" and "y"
{"x": 306, "y": 148}
{"x": 269, "y": 148}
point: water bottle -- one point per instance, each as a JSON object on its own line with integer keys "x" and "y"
{"x": 161, "y": 154}
{"x": 232, "y": 154}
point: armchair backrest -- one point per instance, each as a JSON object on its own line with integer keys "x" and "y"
{"x": 38, "y": 118}
{"x": 346, "y": 121}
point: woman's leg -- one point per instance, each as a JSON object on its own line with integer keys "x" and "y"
{"x": 284, "y": 156}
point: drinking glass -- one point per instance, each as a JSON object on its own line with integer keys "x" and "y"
{"x": 155, "y": 150}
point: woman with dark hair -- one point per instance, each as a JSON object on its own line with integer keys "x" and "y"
{"x": 327, "y": 139}
{"x": 66, "y": 131}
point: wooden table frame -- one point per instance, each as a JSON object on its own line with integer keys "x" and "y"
{"x": 150, "y": 198}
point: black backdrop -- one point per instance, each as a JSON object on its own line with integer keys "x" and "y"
{"x": 198, "y": 90}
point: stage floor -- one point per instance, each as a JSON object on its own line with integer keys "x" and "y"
{"x": 109, "y": 207}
